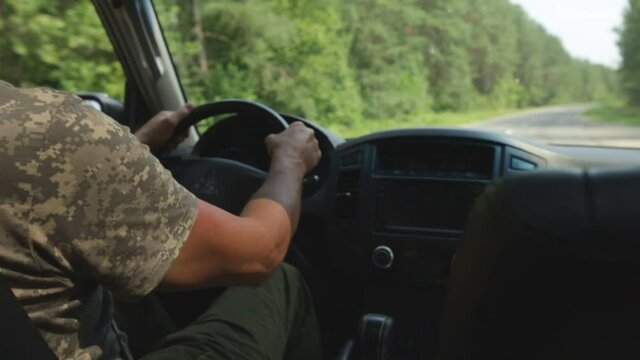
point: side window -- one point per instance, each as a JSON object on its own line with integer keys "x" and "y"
{"x": 58, "y": 44}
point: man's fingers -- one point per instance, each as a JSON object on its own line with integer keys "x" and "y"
{"x": 269, "y": 142}
{"x": 177, "y": 116}
{"x": 270, "y": 138}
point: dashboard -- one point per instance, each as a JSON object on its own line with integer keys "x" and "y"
{"x": 397, "y": 201}
{"x": 401, "y": 198}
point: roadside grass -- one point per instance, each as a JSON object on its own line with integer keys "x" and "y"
{"x": 614, "y": 113}
{"x": 364, "y": 127}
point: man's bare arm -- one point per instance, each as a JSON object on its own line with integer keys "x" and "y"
{"x": 225, "y": 250}
{"x": 293, "y": 154}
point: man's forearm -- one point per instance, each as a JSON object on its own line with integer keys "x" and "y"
{"x": 284, "y": 186}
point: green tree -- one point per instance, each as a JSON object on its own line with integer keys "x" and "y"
{"x": 448, "y": 35}
{"x": 629, "y": 44}
{"x": 493, "y": 52}
{"x": 290, "y": 55}
{"x": 386, "y": 52}
{"x": 40, "y": 46}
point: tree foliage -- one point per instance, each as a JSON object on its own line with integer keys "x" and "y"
{"x": 57, "y": 44}
{"x": 338, "y": 62}
{"x": 629, "y": 44}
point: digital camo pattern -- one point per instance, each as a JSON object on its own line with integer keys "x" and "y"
{"x": 82, "y": 203}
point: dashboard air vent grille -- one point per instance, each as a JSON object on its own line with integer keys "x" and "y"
{"x": 352, "y": 159}
{"x": 347, "y": 194}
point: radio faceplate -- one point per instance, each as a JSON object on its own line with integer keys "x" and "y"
{"x": 424, "y": 187}
{"x": 419, "y": 206}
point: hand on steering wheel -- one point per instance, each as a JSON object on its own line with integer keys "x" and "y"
{"x": 297, "y": 143}
{"x": 221, "y": 181}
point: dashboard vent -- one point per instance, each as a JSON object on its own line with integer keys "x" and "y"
{"x": 347, "y": 194}
{"x": 352, "y": 159}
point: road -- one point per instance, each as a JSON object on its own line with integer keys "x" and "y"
{"x": 563, "y": 125}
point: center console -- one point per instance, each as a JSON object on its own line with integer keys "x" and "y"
{"x": 398, "y": 208}
{"x": 400, "y": 205}
{"x": 423, "y": 192}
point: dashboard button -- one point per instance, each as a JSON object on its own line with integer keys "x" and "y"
{"x": 382, "y": 257}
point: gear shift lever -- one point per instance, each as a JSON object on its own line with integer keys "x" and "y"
{"x": 374, "y": 337}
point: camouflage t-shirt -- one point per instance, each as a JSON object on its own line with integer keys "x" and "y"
{"x": 85, "y": 211}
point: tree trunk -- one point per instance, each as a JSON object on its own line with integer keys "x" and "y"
{"x": 203, "y": 62}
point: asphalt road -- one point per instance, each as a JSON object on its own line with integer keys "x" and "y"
{"x": 563, "y": 125}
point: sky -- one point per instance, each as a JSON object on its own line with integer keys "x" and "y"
{"x": 586, "y": 27}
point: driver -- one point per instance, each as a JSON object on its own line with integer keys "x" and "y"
{"x": 86, "y": 212}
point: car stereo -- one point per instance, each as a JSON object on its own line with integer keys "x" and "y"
{"x": 429, "y": 186}
{"x": 422, "y": 205}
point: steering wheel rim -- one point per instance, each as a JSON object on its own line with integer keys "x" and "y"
{"x": 231, "y": 106}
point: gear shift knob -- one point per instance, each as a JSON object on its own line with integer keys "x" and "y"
{"x": 374, "y": 337}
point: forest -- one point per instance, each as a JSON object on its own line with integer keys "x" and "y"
{"x": 337, "y": 62}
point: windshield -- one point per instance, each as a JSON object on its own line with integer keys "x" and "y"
{"x": 361, "y": 66}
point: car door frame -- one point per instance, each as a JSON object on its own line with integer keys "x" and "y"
{"x": 138, "y": 41}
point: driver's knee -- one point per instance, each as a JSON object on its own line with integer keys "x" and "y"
{"x": 288, "y": 276}
{"x": 290, "y": 281}
{"x": 291, "y": 272}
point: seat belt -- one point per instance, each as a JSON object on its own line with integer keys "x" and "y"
{"x": 19, "y": 338}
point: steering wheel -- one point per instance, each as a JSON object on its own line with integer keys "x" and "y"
{"x": 223, "y": 182}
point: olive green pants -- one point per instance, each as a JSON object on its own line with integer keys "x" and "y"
{"x": 273, "y": 321}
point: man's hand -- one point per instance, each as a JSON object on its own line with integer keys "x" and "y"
{"x": 156, "y": 132}
{"x": 296, "y": 145}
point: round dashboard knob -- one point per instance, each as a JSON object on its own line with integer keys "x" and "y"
{"x": 382, "y": 257}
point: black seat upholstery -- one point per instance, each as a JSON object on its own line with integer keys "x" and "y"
{"x": 548, "y": 268}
